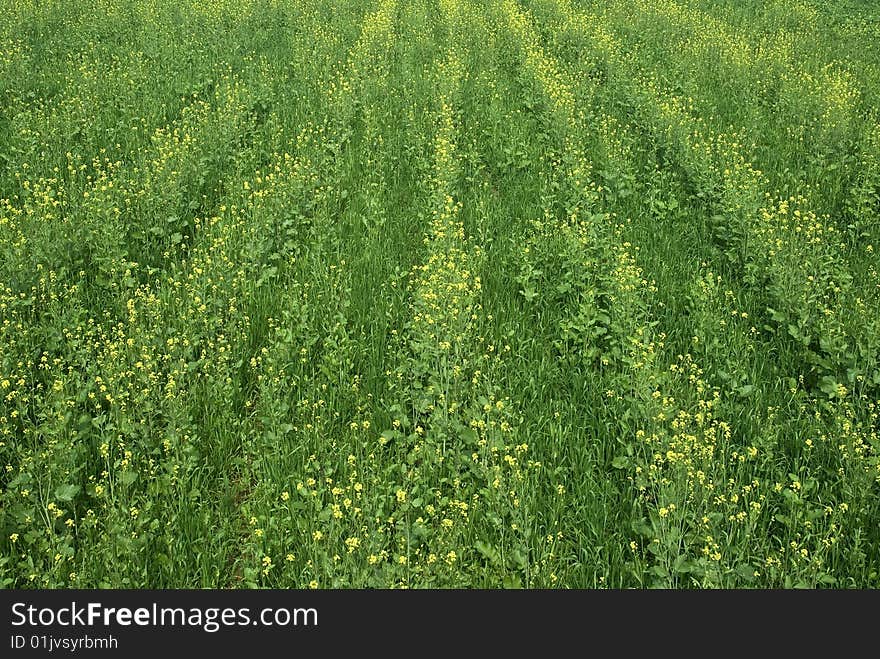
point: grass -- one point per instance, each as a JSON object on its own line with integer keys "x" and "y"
{"x": 517, "y": 294}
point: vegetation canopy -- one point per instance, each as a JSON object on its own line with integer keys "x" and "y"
{"x": 439, "y": 294}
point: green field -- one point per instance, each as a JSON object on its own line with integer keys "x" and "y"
{"x": 439, "y": 293}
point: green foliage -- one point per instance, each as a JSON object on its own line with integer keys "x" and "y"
{"x": 444, "y": 293}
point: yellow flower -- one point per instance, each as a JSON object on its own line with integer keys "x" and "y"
{"x": 401, "y": 496}
{"x": 285, "y": 496}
